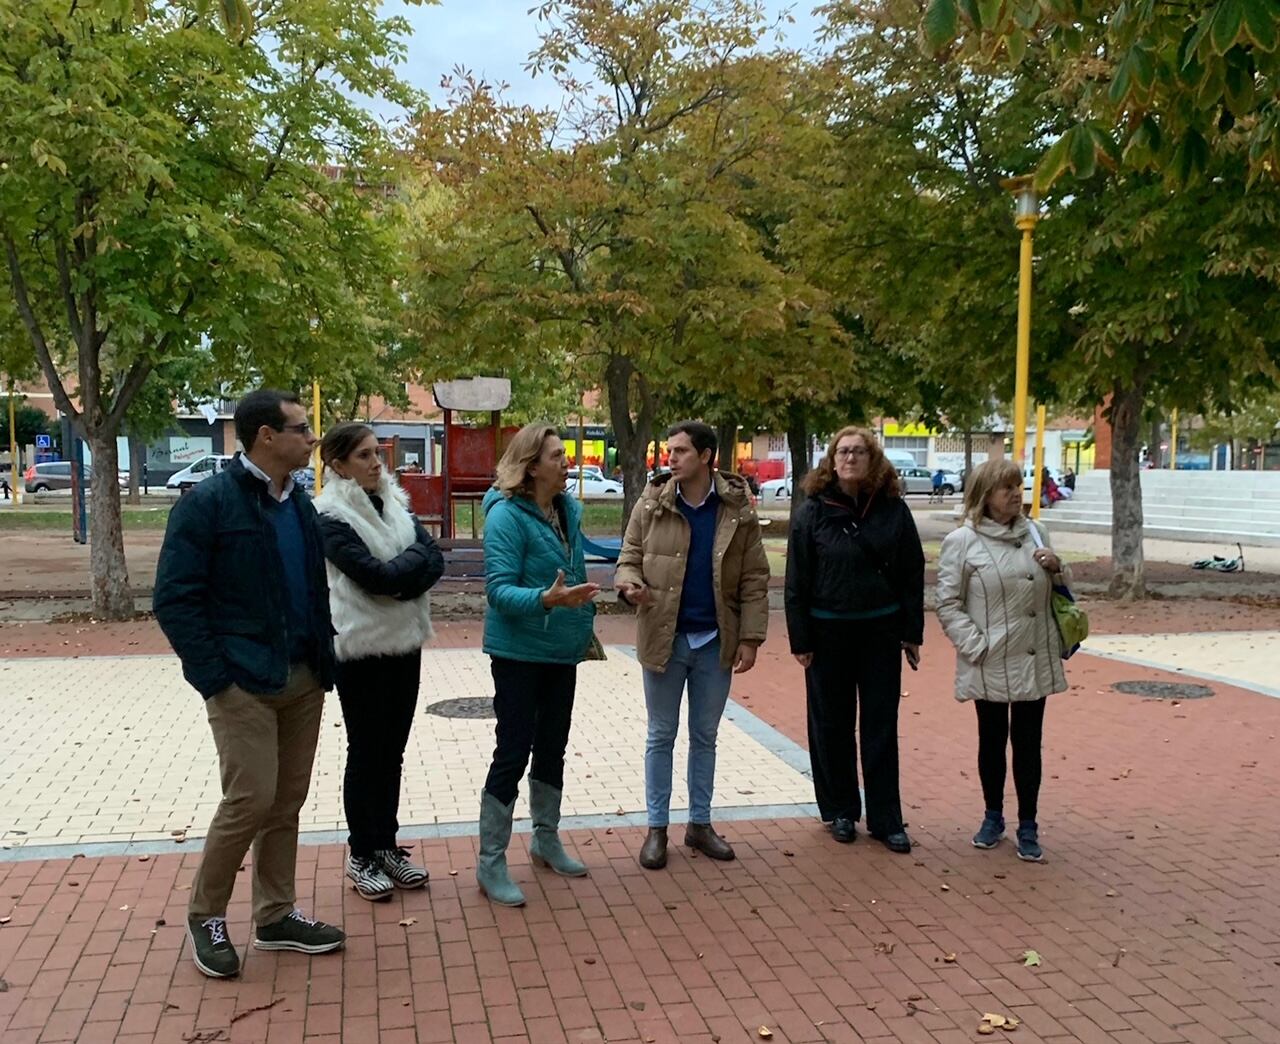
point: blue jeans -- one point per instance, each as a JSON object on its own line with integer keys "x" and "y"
{"x": 708, "y": 684}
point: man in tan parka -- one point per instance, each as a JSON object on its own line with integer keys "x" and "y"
{"x": 693, "y": 563}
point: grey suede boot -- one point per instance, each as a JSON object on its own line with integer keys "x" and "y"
{"x": 546, "y": 850}
{"x": 491, "y": 867}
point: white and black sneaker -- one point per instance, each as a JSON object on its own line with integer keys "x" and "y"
{"x": 395, "y": 863}
{"x": 367, "y": 876}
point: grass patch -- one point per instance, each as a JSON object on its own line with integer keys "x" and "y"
{"x": 41, "y": 519}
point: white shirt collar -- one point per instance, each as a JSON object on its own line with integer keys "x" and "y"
{"x": 711, "y": 489}
{"x": 276, "y": 494}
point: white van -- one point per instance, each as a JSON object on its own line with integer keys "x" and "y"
{"x": 202, "y": 469}
{"x": 900, "y": 459}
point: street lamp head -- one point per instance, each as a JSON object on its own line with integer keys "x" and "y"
{"x": 1026, "y": 203}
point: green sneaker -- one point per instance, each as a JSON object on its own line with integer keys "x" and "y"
{"x": 296, "y": 931}
{"x": 212, "y": 951}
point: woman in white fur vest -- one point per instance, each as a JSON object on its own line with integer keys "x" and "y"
{"x": 995, "y": 578}
{"x": 381, "y": 564}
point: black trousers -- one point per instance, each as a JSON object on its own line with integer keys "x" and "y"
{"x": 1020, "y": 723}
{"x": 856, "y": 680}
{"x": 378, "y": 695}
{"x": 534, "y": 705}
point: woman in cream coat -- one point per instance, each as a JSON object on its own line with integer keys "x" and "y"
{"x": 995, "y": 579}
{"x": 381, "y": 563}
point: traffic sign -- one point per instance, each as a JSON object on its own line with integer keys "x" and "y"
{"x": 44, "y": 442}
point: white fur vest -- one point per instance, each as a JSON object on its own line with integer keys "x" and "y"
{"x": 372, "y": 625}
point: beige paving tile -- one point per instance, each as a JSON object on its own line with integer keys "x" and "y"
{"x": 120, "y": 748}
{"x": 1243, "y": 658}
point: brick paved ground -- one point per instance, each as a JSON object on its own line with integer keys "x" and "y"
{"x": 1155, "y": 916}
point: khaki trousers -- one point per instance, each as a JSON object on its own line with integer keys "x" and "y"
{"x": 266, "y": 747}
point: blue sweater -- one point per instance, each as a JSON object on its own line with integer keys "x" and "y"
{"x": 698, "y": 596}
{"x": 287, "y": 525}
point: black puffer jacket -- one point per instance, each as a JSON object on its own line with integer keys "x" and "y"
{"x": 849, "y": 556}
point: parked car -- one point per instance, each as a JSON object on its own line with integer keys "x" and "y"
{"x": 775, "y": 489}
{"x": 197, "y": 472}
{"x": 305, "y": 478}
{"x": 591, "y": 471}
{"x": 593, "y": 487}
{"x": 920, "y": 480}
{"x": 1029, "y": 474}
{"x": 51, "y": 475}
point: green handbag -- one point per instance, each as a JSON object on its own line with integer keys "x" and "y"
{"x": 1072, "y": 621}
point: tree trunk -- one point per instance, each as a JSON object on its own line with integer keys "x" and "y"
{"x": 1128, "y": 577}
{"x": 137, "y": 454}
{"x": 968, "y": 454}
{"x": 112, "y": 599}
{"x": 801, "y": 452}
{"x": 633, "y": 435}
{"x": 1154, "y": 453}
{"x": 727, "y": 439}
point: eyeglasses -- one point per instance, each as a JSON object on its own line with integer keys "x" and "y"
{"x": 301, "y": 429}
{"x": 845, "y": 452}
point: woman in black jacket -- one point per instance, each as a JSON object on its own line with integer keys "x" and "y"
{"x": 381, "y": 563}
{"x": 855, "y": 606}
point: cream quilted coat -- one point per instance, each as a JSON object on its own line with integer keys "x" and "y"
{"x": 993, "y": 602}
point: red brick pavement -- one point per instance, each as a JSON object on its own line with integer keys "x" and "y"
{"x": 1155, "y": 915}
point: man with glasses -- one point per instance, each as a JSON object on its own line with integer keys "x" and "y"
{"x": 242, "y": 596}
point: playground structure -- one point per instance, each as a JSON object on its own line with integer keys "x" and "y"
{"x": 470, "y": 456}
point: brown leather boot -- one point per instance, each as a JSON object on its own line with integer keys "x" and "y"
{"x": 653, "y": 853}
{"x": 707, "y": 841}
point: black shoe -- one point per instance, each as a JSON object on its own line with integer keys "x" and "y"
{"x": 895, "y": 842}
{"x": 844, "y": 830}
{"x": 296, "y": 931}
{"x": 653, "y": 853}
{"x": 703, "y": 838}
{"x": 211, "y": 949}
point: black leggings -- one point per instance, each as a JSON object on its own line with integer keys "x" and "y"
{"x": 378, "y": 696}
{"x": 534, "y": 705}
{"x": 1022, "y": 724}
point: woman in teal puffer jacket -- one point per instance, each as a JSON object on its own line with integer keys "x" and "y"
{"x": 537, "y": 629}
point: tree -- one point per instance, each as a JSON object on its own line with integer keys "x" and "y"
{"x": 1170, "y": 297}
{"x": 164, "y": 178}
{"x": 1157, "y": 86}
{"x": 606, "y": 244}
{"x": 28, "y": 422}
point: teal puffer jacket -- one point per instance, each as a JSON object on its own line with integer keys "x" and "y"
{"x": 521, "y": 556}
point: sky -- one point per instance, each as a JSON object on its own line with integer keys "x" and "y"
{"x": 493, "y": 38}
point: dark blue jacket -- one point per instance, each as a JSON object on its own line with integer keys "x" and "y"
{"x": 220, "y": 593}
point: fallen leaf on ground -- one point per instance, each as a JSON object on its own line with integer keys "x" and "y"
{"x": 1031, "y": 959}
{"x": 950, "y": 958}
{"x": 986, "y": 1029}
{"x": 1112, "y": 893}
{"x": 764, "y": 1033}
{"x": 884, "y": 947}
{"x": 786, "y": 852}
{"x": 408, "y": 921}
{"x": 453, "y": 873}
{"x": 946, "y": 888}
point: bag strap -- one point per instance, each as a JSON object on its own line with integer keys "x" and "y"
{"x": 1035, "y": 534}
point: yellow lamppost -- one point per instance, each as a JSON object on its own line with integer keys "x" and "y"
{"x": 1173, "y": 440}
{"x": 317, "y": 465}
{"x": 15, "y": 486}
{"x": 1037, "y": 482}
{"x": 1026, "y": 214}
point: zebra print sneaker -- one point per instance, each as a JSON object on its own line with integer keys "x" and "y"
{"x": 394, "y": 863}
{"x": 367, "y": 877}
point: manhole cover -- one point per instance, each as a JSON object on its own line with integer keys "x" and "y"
{"x": 464, "y": 707}
{"x": 1164, "y": 690}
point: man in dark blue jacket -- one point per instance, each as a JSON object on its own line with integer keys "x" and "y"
{"x": 242, "y": 597}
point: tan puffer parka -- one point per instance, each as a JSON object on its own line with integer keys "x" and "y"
{"x": 654, "y": 553}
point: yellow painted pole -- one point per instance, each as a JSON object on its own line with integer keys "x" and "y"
{"x": 1173, "y": 440}
{"x": 1023, "y": 372}
{"x": 582, "y": 457}
{"x": 15, "y": 476}
{"x": 1039, "y": 463}
{"x": 316, "y": 465}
